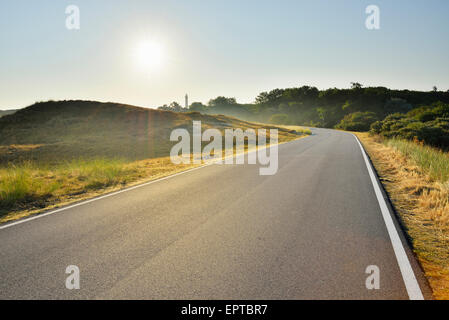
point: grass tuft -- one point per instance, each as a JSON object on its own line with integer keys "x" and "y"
{"x": 97, "y": 173}
{"x": 28, "y": 184}
{"x": 19, "y": 185}
{"x": 433, "y": 161}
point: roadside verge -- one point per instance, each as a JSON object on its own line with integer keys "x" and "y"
{"x": 420, "y": 202}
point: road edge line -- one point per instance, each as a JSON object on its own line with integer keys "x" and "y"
{"x": 408, "y": 275}
{"x": 36, "y": 216}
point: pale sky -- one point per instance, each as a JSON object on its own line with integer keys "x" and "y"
{"x": 211, "y": 48}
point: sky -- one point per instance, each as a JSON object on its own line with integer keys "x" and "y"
{"x": 214, "y": 48}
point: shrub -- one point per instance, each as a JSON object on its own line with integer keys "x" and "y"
{"x": 429, "y": 124}
{"x": 357, "y": 121}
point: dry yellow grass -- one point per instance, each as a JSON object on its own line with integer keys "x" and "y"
{"x": 422, "y": 203}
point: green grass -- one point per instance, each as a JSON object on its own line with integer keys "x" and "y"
{"x": 97, "y": 173}
{"x": 19, "y": 184}
{"x": 27, "y": 184}
{"x": 434, "y": 162}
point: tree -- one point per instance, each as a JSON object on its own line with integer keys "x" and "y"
{"x": 356, "y": 85}
{"x": 163, "y": 107}
{"x": 272, "y": 98}
{"x": 197, "y": 106}
{"x": 221, "y": 101}
{"x": 262, "y": 98}
{"x": 175, "y": 106}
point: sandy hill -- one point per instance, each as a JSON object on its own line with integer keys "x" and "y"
{"x": 57, "y": 130}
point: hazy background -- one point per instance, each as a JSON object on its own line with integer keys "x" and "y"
{"x": 230, "y": 48}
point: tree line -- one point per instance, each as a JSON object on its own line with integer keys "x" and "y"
{"x": 355, "y": 108}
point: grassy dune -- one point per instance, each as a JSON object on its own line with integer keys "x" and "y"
{"x": 55, "y": 153}
{"x": 52, "y": 132}
{"x": 416, "y": 178}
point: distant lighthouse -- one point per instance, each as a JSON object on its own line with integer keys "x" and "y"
{"x": 187, "y": 101}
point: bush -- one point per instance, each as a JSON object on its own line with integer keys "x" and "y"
{"x": 357, "y": 121}
{"x": 429, "y": 124}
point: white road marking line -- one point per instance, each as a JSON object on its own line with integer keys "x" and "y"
{"x": 101, "y": 197}
{"x": 411, "y": 284}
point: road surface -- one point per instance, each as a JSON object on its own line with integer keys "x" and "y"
{"x": 220, "y": 232}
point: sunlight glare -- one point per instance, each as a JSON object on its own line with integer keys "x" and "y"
{"x": 149, "y": 55}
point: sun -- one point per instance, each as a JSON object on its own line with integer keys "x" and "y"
{"x": 149, "y": 55}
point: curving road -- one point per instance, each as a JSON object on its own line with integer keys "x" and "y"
{"x": 221, "y": 232}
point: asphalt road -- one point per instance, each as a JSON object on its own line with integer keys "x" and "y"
{"x": 220, "y": 232}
